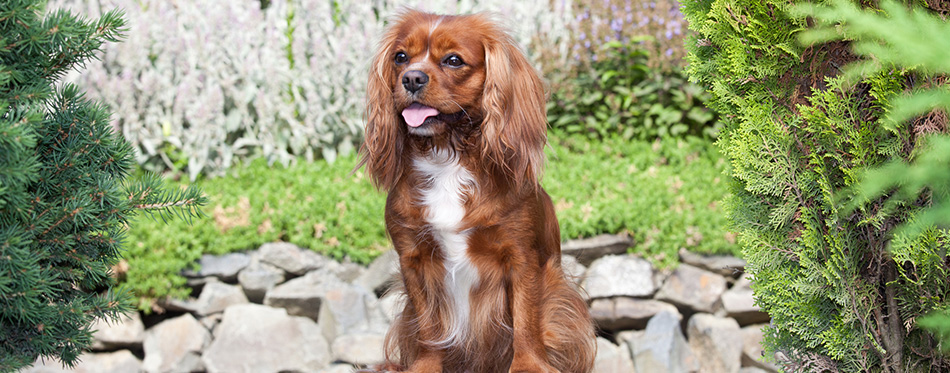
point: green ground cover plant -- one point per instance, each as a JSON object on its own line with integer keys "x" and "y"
{"x": 318, "y": 205}
{"x": 663, "y": 193}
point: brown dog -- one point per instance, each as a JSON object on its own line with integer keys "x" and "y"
{"x": 455, "y": 131}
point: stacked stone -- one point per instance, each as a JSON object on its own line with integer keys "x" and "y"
{"x": 699, "y": 317}
{"x": 283, "y": 308}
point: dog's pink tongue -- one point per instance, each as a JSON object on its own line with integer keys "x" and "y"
{"x": 417, "y": 113}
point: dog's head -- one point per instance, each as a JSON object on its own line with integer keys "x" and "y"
{"x": 458, "y": 82}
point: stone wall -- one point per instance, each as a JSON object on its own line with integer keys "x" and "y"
{"x": 283, "y": 308}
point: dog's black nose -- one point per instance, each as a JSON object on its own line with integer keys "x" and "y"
{"x": 414, "y": 80}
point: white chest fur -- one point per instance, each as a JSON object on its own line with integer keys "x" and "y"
{"x": 447, "y": 186}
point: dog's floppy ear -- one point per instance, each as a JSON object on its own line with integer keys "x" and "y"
{"x": 515, "y": 125}
{"x": 382, "y": 149}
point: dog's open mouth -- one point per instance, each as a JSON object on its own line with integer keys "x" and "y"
{"x": 416, "y": 114}
{"x": 427, "y": 121}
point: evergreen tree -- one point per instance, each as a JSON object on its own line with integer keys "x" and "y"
{"x": 845, "y": 286}
{"x": 64, "y": 200}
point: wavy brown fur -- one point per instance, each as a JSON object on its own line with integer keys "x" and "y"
{"x": 523, "y": 314}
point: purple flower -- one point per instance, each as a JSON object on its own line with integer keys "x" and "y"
{"x": 616, "y": 25}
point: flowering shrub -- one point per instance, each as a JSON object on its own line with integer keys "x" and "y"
{"x": 201, "y": 84}
{"x": 625, "y": 76}
{"x": 620, "y": 95}
{"x": 656, "y": 27}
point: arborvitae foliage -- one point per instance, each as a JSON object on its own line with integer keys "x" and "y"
{"x": 64, "y": 203}
{"x": 844, "y": 291}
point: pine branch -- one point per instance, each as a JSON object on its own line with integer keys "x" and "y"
{"x": 150, "y": 196}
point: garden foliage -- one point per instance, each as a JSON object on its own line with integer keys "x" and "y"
{"x": 621, "y": 95}
{"x": 843, "y": 287}
{"x": 663, "y": 193}
{"x": 64, "y": 203}
{"x": 200, "y": 85}
{"x": 654, "y": 27}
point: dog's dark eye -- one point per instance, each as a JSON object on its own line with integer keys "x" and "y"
{"x": 453, "y": 60}
{"x": 401, "y": 58}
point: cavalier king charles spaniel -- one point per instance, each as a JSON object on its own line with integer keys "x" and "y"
{"x": 455, "y": 133}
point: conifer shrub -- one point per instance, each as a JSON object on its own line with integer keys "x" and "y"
{"x": 64, "y": 202}
{"x": 845, "y": 287}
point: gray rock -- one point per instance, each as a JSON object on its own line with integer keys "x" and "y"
{"x": 626, "y": 336}
{"x": 291, "y": 343}
{"x": 622, "y": 313}
{"x": 340, "y": 307}
{"x": 716, "y": 342}
{"x": 258, "y": 278}
{"x": 291, "y": 258}
{"x": 121, "y": 361}
{"x": 127, "y": 332}
{"x": 217, "y": 296}
{"x": 616, "y": 275}
{"x": 303, "y": 296}
{"x": 573, "y": 269}
{"x": 752, "y": 370}
{"x": 661, "y": 347}
{"x": 211, "y": 321}
{"x": 346, "y": 309}
{"x": 724, "y": 265}
{"x": 179, "y": 305}
{"x": 602, "y": 311}
{"x": 752, "y": 350}
{"x": 381, "y": 274}
{"x": 589, "y": 249}
{"x": 346, "y": 271}
{"x": 197, "y": 282}
{"x": 363, "y": 348}
{"x": 390, "y": 305}
{"x": 693, "y": 288}
{"x": 338, "y": 368}
{"x": 224, "y": 267}
{"x": 612, "y": 358}
{"x": 174, "y": 345}
{"x": 738, "y": 303}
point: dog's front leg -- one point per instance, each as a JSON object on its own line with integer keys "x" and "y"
{"x": 526, "y": 288}
{"x": 424, "y": 311}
